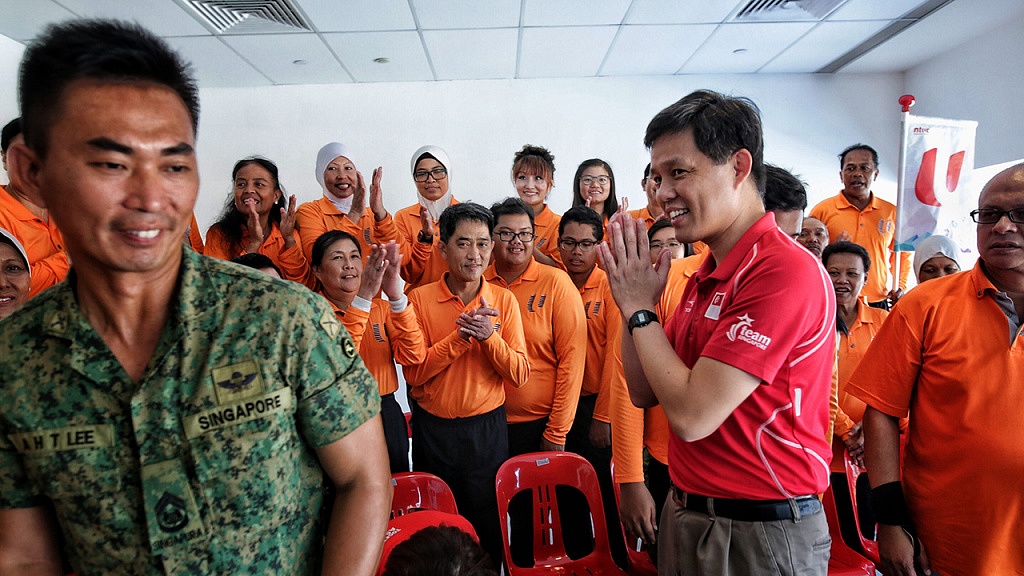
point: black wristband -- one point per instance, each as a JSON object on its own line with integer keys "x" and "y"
{"x": 423, "y": 238}
{"x": 889, "y": 505}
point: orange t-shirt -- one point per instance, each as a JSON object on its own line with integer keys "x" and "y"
{"x": 195, "y": 237}
{"x": 556, "y": 345}
{"x": 43, "y": 242}
{"x": 422, "y": 264}
{"x": 874, "y": 228}
{"x": 292, "y": 263}
{"x": 545, "y": 226}
{"x": 604, "y": 343}
{"x": 643, "y": 214}
{"x": 462, "y": 378}
{"x": 678, "y": 275}
{"x": 319, "y": 216}
{"x": 947, "y": 356}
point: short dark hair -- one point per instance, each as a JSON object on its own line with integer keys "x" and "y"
{"x": 582, "y": 215}
{"x": 647, "y": 171}
{"x": 659, "y": 224}
{"x": 457, "y": 213}
{"x": 536, "y": 159}
{"x": 611, "y": 205}
{"x": 257, "y": 261}
{"x": 11, "y": 129}
{"x": 101, "y": 50}
{"x": 232, "y": 221}
{"x": 846, "y": 248}
{"x": 511, "y": 206}
{"x": 783, "y": 191}
{"x": 325, "y": 241}
{"x": 858, "y": 146}
{"x": 439, "y": 551}
{"x": 721, "y": 125}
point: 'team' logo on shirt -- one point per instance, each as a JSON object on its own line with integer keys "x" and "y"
{"x": 743, "y": 332}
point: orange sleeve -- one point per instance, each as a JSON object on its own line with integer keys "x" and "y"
{"x": 292, "y": 263}
{"x": 569, "y": 331}
{"x": 407, "y": 343}
{"x": 627, "y": 436}
{"x": 355, "y": 321}
{"x": 611, "y": 371}
{"x": 217, "y": 245}
{"x": 508, "y": 353}
{"x": 841, "y": 421}
{"x": 309, "y": 219}
{"x": 195, "y": 238}
{"x": 48, "y": 271}
{"x": 905, "y": 264}
{"x": 656, "y": 433}
{"x": 385, "y": 230}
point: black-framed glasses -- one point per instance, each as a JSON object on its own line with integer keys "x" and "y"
{"x": 524, "y": 237}
{"x": 992, "y": 215}
{"x": 588, "y": 180}
{"x": 656, "y": 245}
{"x": 570, "y": 245}
{"x": 437, "y": 173}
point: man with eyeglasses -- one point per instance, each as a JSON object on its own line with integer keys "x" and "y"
{"x": 951, "y": 355}
{"x": 858, "y": 215}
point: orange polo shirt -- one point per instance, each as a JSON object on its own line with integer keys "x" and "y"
{"x": 851, "y": 350}
{"x": 604, "y": 343}
{"x": 195, "y": 237}
{"x": 678, "y": 275}
{"x": 459, "y": 379}
{"x": 43, "y": 242}
{"x": 422, "y": 264}
{"x": 556, "y": 346}
{"x": 947, "y": 356}
{"x": 545, "y": 226}
{"x": 874, "y": 228}
{"x": 383, "y": 338}
{"x": 290, "y": 260}
{"x": 645, "y": 215}
{"x": 319, "y": 216}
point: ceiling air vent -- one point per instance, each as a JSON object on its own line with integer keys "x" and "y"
{"x": 786, "y": 10}
{"x": 249, "y": 16}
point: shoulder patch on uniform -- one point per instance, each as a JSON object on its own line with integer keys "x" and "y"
{"x": 330, "y": 323}
{"x": 348, "y": 347}
{"x": 237, "y": 382}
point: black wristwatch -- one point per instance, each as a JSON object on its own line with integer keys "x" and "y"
{"x": 641, "y": 318}
{"x": 423, "y": 238}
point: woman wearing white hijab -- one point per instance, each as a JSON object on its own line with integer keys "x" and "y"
{"x": 935, "y": 257}
{"x": 417, "y": 224}
{"x": 344, "y": 203}
{"x": 15, "y": 274}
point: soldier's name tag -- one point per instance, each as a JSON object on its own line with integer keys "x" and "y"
{"x": 67, "y": 438}
{"x": 171, "y": 512}
{"x": 239, "y": 412}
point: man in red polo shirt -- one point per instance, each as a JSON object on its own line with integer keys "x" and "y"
{"x": 742, "y": 369}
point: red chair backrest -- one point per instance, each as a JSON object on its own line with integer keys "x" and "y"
{"x": 870, "y": 547}
{"x": 639, "y": 560}
{"x": 844, "y": 561}
{"x": 414, "y": 491}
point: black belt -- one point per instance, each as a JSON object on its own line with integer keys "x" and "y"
{"x": 747, "y": 510}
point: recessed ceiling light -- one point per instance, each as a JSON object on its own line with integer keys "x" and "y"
{"x": 382, "y": 60}
{"x": 740, "y": 51}
{"x": 299, "y": 62}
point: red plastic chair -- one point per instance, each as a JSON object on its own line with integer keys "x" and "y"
{"x": 541, "y": 472}
{"x": 639, "y": 560}
{"x": 844, "y": 561}
{"x": 420, "y": 491}
{"x": 869, "y": 547}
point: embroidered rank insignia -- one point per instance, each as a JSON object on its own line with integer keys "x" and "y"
{"x": 329, "y": 322}
{"x": 237, "y": 382}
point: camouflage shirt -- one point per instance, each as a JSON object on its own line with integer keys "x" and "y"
{"x": 206, "y": 465}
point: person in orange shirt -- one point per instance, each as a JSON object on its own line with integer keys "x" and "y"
{"x": 344, "y": 203}
{"x": 29, "y": 221}
{"x": 652, "y": 212}
{"x": 255, "y": 219}
{"x": 857, "y": 215}
{"x": 594, "y": 186}
{"x": 417, "y": 223}
{"x": 951, "y": 356}
{"x": 382, "y": 332}
{"x": 580, "y": 232}
{"x": 533, "y": 173}
{"x": 475, "y": 348}
{"x": 935, "y": 257}
{"x": 661, "y": 236}
{"x": 541, "y": 412}
{"x": 193, "y": 237}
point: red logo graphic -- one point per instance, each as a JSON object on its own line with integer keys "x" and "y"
{"x": 924, "y": 188}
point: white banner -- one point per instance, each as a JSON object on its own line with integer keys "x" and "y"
{"x": 938, "y": 195}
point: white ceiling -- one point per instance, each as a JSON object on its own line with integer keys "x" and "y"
{"x": 428, "y": 40}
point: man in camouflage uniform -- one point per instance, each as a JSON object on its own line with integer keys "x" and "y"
{"x": 176, "y": 410}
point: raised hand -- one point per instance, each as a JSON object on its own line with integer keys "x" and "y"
{"x": 288, "y": 222}
{"x": 254, "y": 227}
{"x": 358, "y": 199}
{"x": 376, "y": 196}
{"x": 373, "y": 273}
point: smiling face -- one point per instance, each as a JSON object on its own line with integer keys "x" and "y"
{"x": 341, "y": 268}
{"x": 433, "y": 189}
{"x": 340, "y": 177}
{"x": 513, "y": 254}
{"x": 533, "y": 188}
{"x": 665, "y": 239}
{"x": 595, "y": 184}
{"x": 120, "y": 176}
{"x": 858, "y": 174}
{"x": 467, "y": 251}
{"x": 14, "y": 280}
{"x": 848, "y": 276}
{"x": 254, "y": 186}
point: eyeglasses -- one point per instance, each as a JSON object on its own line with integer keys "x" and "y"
{"x": 437, "y": 173}
{"x": 524, "y": 237}
{"x": 992, "y": 215}
{"x": 659, "y": 245}
{"x": 570, "y": 245}
{"x": 601, "y": 180}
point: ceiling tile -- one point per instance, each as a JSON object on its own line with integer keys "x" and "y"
{"x": 874, "y": 9}
{"x": 404, "y": 49}
{"x": 454, "y": 14}
{"x": 573, "y": 12}
{"x": 215, "y": 64}
{"x": 162, "y": 17}
{"x": 358, "y": 15}
{"x": 275, "y": 56}
{"x": 760, "y": 41}
{"x": 580, "y": 51}
{"x": 679, "y": 11}
{"x": 493, "y": 53}
{"x": 23, "y": 24}
{"x": 826, "y": 42}
{"x": 646, "y": 50}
